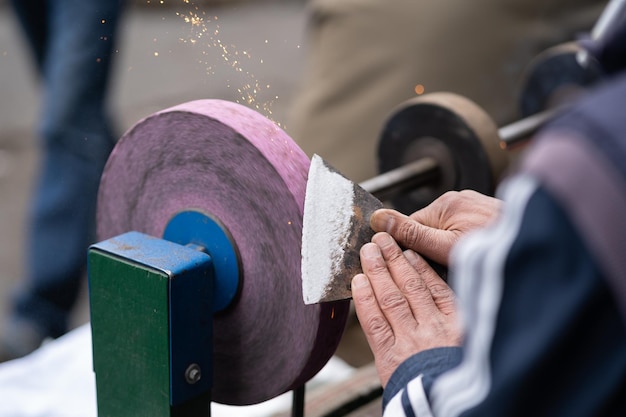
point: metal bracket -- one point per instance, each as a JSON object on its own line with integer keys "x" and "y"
{"x": 151, "y": 319}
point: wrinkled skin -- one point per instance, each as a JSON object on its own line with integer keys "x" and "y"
{"x": 403, "y": 305}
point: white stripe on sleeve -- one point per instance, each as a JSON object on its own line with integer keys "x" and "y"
{"x": 478, "y": 280}
{"x": 417, "y": 399}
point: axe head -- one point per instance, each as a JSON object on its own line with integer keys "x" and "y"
{"x": 336, "y": 224}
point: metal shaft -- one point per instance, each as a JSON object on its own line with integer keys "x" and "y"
{"x": 612, "y": 15}
{"x": 412, "y": 175}
{"x": 521, "y": 130}
{"x": 422, "y": 171}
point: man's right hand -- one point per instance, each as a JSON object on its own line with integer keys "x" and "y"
{"x": 433, "y": 230}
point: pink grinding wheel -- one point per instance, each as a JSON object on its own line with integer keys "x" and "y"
{"x": 232, "y": 163}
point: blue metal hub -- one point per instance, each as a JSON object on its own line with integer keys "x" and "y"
{"x": 203, "y": 232}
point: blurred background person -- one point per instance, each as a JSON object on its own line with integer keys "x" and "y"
{"x": 72, "y": 46}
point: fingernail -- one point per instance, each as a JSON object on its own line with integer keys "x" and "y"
{"x": 411, "y": 256}
{"x": 382, "y": 221}
{"x": 370, "y": 251}
{"x": 383, "y": 239}
{"x": 359, "y": 281}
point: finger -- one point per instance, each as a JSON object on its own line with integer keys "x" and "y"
{"x": 441, "y": 293}
{"x": 393, "y": 304}
{"x": 377, "y": 330}
{"x": 432, "y": 242}
{"x": 406, "y": 277}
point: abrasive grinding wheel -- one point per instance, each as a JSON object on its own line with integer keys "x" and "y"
{"x": 454, "y": 131}
{"x": 234, "y": 166}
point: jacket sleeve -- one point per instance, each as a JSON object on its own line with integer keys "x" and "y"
{"x": 428, "y": 364}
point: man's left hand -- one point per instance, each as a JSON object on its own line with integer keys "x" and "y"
{"x": 403, "y": 306}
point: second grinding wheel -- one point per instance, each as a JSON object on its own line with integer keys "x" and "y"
{"x": 234, "y": 166}
{"x": 450, "y": 129}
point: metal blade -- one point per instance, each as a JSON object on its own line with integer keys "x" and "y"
{"x": 336, "y": 224}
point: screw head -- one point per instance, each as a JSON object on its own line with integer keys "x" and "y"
{"x": 193, "y": 373}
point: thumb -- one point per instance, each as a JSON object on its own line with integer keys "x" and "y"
{"x": 431, "y": 242}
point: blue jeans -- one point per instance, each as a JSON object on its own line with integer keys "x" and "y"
{"x": 72, "y": 41}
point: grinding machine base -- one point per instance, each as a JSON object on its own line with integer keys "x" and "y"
{"x": 152, "y": 328}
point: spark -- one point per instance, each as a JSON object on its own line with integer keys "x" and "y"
{"x": 205, "y": 30}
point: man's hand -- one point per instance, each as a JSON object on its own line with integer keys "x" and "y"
{"x": 433, "y": 230}
{"x": 403, "y": 306}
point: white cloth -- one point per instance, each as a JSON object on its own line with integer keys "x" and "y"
{"x": 57, "y": 380}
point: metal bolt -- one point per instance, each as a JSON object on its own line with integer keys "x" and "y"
{"x": 193, "y": 373}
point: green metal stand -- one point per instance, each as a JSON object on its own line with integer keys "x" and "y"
{"x": 151, "y": 318}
